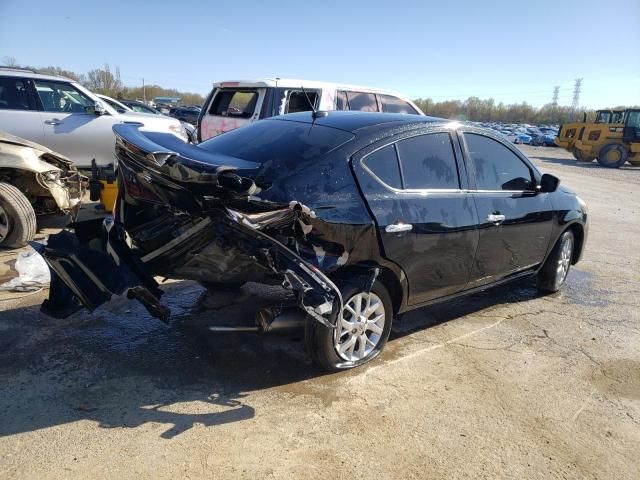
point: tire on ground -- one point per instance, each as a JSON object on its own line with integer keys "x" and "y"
{"x": 620, "y": 155}
{"x": 319, "y": 339}
{"x": 19, "y": 215}
{"x": 548, "y": 280}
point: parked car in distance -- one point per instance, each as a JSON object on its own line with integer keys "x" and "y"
{"x": 64, "y": 116}
{"x": 543, "y": 140}
{"x": 33, "y": 181}
{"x": 362, "y": 216}
{"x": 233, "y": 104}
{"x": 186, "y": 114}
{"x": 140, "y": 107}
{"x": 113, "y": 103}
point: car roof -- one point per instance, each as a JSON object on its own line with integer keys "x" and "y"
{"x": 23, "y": 73}
{"x": 297, "y": 83}
{"x": 352, "y": 121}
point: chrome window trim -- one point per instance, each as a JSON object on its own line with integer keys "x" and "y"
{"x": 425, "y": 191}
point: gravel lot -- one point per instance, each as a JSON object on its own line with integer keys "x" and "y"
{"x": 499, "y": 384}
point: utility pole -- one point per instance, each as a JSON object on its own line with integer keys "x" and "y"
{"x": 575, "y": 103}
{"x": 144, "y": 91}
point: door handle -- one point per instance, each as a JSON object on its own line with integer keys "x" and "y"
{"x": 496, "y": 218}
{"x": 54, "y": 121}
{"x": 398, "y": 228}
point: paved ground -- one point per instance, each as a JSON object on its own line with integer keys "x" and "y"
{"x": 501, "y": 384}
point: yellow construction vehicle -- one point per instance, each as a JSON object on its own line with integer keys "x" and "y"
{"x": 612, "y": 143}
{"x": 569, "y": 133}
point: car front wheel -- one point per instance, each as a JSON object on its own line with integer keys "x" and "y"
{"x": 556, "y": 268}
{"x": 17, "y": 218}
{"x": 362, "y": 331}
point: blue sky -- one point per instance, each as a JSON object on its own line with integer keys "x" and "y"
{"x": 511, "y": 51}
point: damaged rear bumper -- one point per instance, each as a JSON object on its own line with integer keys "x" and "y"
{"x": 94, "y": 261}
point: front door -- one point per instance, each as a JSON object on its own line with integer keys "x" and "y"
{"x": 515, "y": 220}
{"x": 70, "y": 126}
{"x": 425, "y": 219}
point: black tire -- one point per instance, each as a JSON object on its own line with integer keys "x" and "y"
{"x": 222, "y": 286}
{"x": 17, "y": 218}
{"x": 551, "y": 277}
{"x": 320, "y": 339}
{"x": 613, "y": 155}
{"x": 581, "y": 157}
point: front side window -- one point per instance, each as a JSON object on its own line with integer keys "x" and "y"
{"x": 365, "y": 102}
{"x": 497, "y": 167}
{"x": 428, "y": 162}
{"x": 13, "y": 94}
{"x": 234, "y": 103}
{"x": 302, "y": 101}
{"x": 391, "y": 104}
{"x": 62, "y": 97}
{"x": 633, "y": 119}
{"x": 384, "y": 165}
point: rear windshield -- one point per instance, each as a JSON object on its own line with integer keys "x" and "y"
{"x": 277, "y": 140}
{"x": 238, "y": 103}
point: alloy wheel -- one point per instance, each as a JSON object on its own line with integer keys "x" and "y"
{"x": 360, "y": 328}
{"x": 564, "y": 262}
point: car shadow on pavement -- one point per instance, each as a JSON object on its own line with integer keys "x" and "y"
{"x": 123, "y": 369}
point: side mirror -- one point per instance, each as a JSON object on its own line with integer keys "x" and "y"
{"x": 548, "y": 183}
{"x": 97, "y": 109}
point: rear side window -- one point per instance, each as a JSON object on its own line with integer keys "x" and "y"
{"x": 234, "y": 103}
{"x": 428, "y": 161}
{"x": 497, "y": 167}
{"x": 341, "y": 100}
{"x": 13, "y": 94}
{"x": 384, "y": 164}
{"x": 365, "y": 102}
{"x": 391, "y": 104}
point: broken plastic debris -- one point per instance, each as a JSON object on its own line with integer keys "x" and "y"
{"x": 33, "y": 273}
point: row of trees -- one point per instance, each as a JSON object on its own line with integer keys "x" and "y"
{"x": 108, "y": 82}
{"x": 478, "y": 110}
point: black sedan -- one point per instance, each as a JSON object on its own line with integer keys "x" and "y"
{"x": 362, "y": 216}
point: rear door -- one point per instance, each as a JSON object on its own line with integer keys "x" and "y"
{"x": 19, "y": 113}
{"x": 416, "y": 190}
{"x": 515, "y": 220}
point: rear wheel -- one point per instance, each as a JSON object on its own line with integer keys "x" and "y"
{"x": 17, "y": 218}
{"x": 613, "y": 155}
{"x": 361, "y": 334}
{"x": 556, "y": 268}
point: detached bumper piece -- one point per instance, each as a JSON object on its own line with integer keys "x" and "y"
{"x": 92, "y": 264}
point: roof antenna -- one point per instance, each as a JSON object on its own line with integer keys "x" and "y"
{"x": 316, "y": 113}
